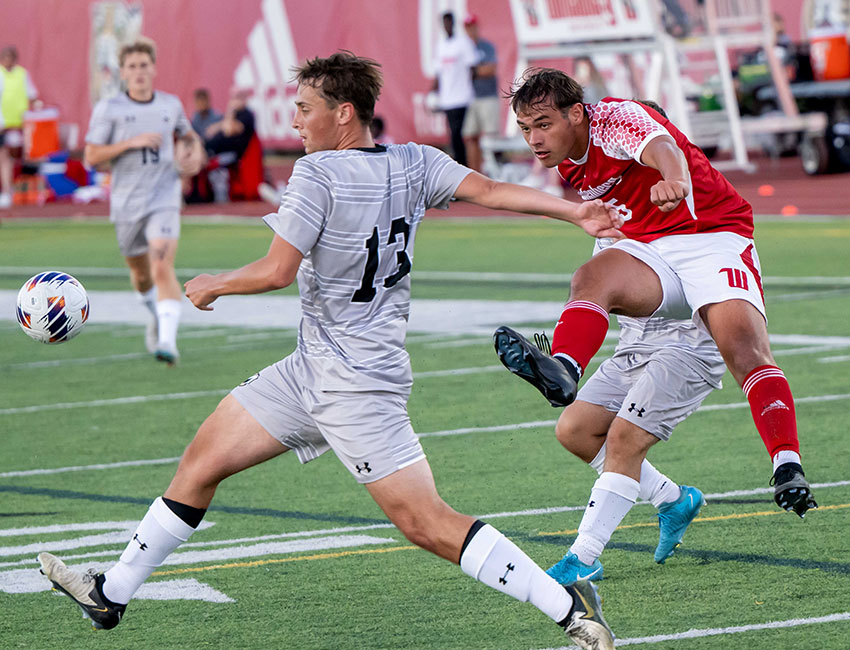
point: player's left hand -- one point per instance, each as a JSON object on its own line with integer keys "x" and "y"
{"x": 200, "y": 291}
{"x": 599, "y": 219}
{"x": 668, "y": 194}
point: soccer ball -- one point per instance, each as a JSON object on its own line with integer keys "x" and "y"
{"x": 52, "y": 307}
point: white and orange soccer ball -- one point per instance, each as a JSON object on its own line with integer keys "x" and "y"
{"x": 52, "y": 307}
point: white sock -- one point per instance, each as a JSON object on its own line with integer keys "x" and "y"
{"x": 786, "y": 456}
{"x": 611, "y": 498}
{"x": 168, "y": 315}
{"x": 655, "y": 487}
{"x": 159, "y": 533}
{"x": 598, "y": 462}
{"x": 493, "y": 559}
{"x": 148, "y": 299}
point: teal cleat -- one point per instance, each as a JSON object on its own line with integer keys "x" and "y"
{"x": 570, "y": 569}
{"x": 674, "y": 518}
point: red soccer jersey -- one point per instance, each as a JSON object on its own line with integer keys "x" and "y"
{"x": 611, "y": 171}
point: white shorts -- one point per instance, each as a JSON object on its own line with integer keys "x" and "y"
{"x": 653, "y": 390}
{"x": 134, "y": 236}
{"x": 711, "y": 267}
{"x": 482, "y": 117}
{"x": 370, "y": 432}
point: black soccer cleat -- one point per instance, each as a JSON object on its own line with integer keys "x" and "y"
{"x": 545, "y": 373}
{"x": 85, "y": 589}
{"x": 585, "y": 624}
{"x": 791, "y": 489}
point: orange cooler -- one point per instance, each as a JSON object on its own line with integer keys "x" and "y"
{"x": 830, "y": 53}
{"x": 41, "y": 133}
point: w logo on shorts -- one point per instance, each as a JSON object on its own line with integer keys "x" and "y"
{"x": 737, "y": 278}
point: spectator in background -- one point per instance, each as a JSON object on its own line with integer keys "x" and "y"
{"x": 16, "y": 93}
{"x": 205, "y": 115}
{"x": 482, "y": 117}
{"x": 228, "y": 138}
{"x": 226, "y": 141}
{"x": 453, "y": 83}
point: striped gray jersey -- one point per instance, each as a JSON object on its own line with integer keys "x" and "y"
{"x": 697, "y": 349}
{"x": 143, "y": 180}
{"x": 354, "y": 214}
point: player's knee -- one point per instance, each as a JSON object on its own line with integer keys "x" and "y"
{"x": 567, "y": 432}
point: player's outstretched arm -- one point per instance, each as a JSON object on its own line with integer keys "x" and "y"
{"x": 274, "y": 271}
{"x": 96, "y": 154}
{"x": 662, "y": 153}
{"x": 594, "y": 217}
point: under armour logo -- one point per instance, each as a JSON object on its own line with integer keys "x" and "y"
{"x": 142, "y": 545}
{"x": 639, "y": 411}
{"x": 365, "y": 468}
{"x": 504, "y": 579}
{"x": 591, "y": 504}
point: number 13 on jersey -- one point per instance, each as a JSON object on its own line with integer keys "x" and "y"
{"x": 366, "y": 292}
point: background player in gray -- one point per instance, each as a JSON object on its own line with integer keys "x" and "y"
{"x": 135, "y": 131}
{"x": 346, "y": 228}
{"x": 660, "y": 373}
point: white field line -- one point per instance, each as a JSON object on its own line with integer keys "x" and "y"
{"x": 534, "y": 424}
{"x": 459, "y": 276}
{"x": 725, "y": 631}
{"x": 837, "y": 359}
{"x": 531, "y": 512}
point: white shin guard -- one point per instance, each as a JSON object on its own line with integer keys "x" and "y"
{"x": 158, "y": 534}
{"x": 493, "y": 559}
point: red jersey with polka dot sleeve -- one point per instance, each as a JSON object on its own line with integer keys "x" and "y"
{"x": 611, "y": 171}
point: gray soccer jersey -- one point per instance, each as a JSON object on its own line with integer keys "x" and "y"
{"x": 354, "y": 214}
{"x": 143, "y": 180}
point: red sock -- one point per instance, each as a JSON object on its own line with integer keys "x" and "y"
{"x": 580, "y": 331}
{"x": 772, "y": 406}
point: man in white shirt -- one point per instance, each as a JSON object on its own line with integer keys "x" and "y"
{"x": 455, "y": 59}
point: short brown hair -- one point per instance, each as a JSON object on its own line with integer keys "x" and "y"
{"x": 344, "y": 77}
{"x": 142, "y": 45}
{"x": 544, "y": 86}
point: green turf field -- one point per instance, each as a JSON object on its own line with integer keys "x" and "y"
{"x": 299, "y": 556}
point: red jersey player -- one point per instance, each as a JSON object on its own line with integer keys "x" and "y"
{"x": 682, "y": 216}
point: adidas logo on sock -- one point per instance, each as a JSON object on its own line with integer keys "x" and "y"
{"x": 777, "y": 404}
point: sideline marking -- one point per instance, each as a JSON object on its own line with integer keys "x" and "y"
{"x": 718, "y": 631}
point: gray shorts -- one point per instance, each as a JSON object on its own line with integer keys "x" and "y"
{"x": 655, "y": 391}
{"x": 370, "y": 432}
{"x": 133, "y": 236}
{"x": 482, "y": 117}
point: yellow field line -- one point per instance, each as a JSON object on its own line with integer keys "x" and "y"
{"x": 392, "y": 549}
{"x": 279, "y": 560}
{"x": 742, "y": 515}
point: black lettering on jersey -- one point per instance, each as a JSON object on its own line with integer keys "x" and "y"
{"x": 151, "y": 153}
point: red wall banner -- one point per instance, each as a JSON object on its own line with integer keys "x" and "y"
{"x": 70, "y": 50}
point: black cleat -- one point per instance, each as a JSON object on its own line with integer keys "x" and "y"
{"x": 85, "y": 589}
{"x": 545, "y": 373}
{"x": 791, "y": 489}
{"x": 585, "y": 624}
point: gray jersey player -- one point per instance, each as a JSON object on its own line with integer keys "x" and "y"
{"x": 137, "y": 132}
{"x": 346, "y": 226}
{"x": 661, "y": 371}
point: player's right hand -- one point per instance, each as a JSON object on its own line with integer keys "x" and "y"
{"x": 145, "y": 140}
{"x": 668, "y": 194}
{"x": 200, "y": 291}
{"x": 600, "y": 219}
